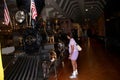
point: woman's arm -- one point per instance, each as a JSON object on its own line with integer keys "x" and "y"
{"x": 71, "y": 52}
{"x": 72, "y": 49}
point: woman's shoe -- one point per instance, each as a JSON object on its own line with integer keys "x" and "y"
{"x": 76, "y": 72}
{"x": 73, "y": 76}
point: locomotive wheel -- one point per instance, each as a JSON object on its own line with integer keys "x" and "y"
{"x": 31, "y": 41}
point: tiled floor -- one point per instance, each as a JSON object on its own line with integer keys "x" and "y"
{"x": 94, "y": 63}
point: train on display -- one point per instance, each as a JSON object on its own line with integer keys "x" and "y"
{"x": 33, "y": 32}
{"x": 30, "y": 35}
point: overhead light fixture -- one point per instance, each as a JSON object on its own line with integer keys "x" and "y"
{"x": 86, "y": 9}
{"x": 107, "y": 19}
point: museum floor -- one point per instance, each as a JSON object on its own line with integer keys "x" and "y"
{"x": 95, "y": 62}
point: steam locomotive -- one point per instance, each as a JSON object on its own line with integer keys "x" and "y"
{"x": 29, "y": 36}
{"x": 30, "y": 30}
{"x": 31, "y": 33}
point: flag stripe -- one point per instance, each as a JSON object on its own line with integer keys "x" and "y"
{"x": 33, "y": 9}
{"x": 6, "y": 15}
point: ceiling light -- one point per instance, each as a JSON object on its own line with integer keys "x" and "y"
{"x": 86, "y": 9}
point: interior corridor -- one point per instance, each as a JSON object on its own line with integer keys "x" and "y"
{"x": 95, "y": 62}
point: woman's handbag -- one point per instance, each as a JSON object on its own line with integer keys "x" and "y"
{"x": 79, "y": 47}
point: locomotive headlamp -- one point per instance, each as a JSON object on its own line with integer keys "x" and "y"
{"x": 20, "y": 16}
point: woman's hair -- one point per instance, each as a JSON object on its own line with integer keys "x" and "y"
{"x": 69, "y": 34}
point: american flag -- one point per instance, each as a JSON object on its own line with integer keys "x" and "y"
{"x": 6, "y": 15}
{"x": 33, "y": 10}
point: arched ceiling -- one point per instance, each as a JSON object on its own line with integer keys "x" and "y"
{"x": 78, "y": 10}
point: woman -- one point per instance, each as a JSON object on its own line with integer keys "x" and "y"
{"x": 73, "y": 55}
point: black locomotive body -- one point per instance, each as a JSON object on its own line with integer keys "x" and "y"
{"x": 30, "y": 31}
{"x": 33, "y": 34}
